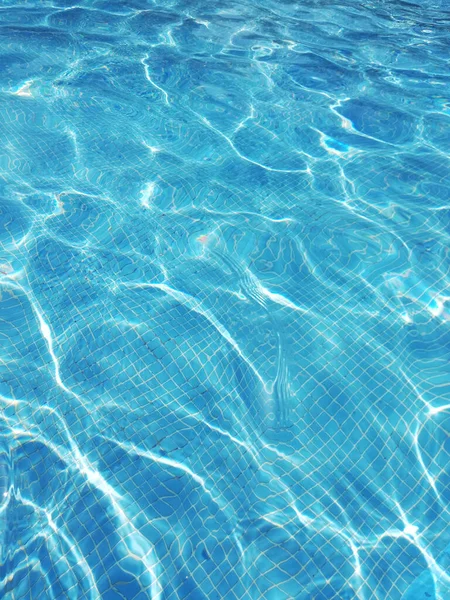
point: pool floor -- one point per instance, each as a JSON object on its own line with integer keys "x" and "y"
{"x": 224, "y": 300}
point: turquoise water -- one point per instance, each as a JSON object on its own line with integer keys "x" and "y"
{"x": 225, "y": 300}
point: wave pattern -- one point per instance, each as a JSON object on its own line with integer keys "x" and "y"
{"x": 224, "y": 300}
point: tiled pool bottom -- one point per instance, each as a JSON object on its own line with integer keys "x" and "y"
{"x": 224, "y": 300}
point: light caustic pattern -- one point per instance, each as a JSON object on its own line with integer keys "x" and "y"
{"x": 225, "y": 300}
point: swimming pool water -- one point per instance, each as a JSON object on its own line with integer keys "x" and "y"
{"x": 225, "y": 300}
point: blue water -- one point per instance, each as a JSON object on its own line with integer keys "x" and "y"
{"x": 225, "y": 300}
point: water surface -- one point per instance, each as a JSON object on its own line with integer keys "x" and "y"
{"x": 225, "y": 300}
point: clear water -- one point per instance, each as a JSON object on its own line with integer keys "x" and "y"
{"x": 225, "y": 300}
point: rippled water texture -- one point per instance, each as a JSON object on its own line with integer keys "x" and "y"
{"x": 225, "y": 300}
